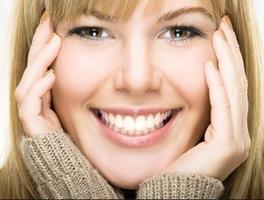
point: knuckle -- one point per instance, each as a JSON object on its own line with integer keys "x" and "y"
{"x": 18, "y": 94}
{"x": 243, "y": 150}
{"x": 249, "y": 144}
{"x": 244, "y": 80}
{"x": 230, "y": 151}
{"x": 226, "y": 104}
{"x": 246, "y": 83}
{"x": 23, "y": 114}
{"x": 237, "y": 151}
{"x": 237, "y": 46}
{"x": 219, "y": 85}
{"x": 243, "y": 85}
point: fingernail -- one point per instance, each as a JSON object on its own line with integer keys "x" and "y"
{"x": 214, "y": 63}
{"x": 210, "y": 66}
{"x": 211, "y": 63}
{"x": 44, "y": 17}
{"x": 222, "y": 34}
{"x": 53, "y": 38}
{"x": 227, "y": 20}
{"x": 49, "y": 72}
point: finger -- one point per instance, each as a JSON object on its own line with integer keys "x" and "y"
{"x": 241, "y": 80}
{"x": 46, "y": 101}
{"x": 233, "y": 43}
{"x": 41, "y": 37}
{"x": 31, "y": 107}
{"x": 48, "y": 113}
{"x": 39, "y": 66}
{"x": 226, "y": 62}
{"x": 230, "y": 35}
{"x": 227, "y": 68}
{"x": 220, "y": 107}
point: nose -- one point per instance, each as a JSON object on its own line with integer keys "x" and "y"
{"x": 137, "y": 74}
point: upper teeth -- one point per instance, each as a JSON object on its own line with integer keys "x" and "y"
{"x": 134, "y": 126}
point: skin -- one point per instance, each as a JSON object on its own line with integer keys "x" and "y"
{"x": 137, "y": 69}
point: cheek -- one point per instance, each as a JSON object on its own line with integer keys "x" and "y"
{"x": 80, "y": 70}
{"x": 184, "y": 68}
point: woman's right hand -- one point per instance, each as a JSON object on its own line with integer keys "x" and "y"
{"x": 33, "y": 93}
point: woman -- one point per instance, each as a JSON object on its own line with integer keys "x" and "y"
{"x": 156, "y": 100}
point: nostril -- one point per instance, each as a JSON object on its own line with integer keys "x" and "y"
{"x": 137, "y": 80}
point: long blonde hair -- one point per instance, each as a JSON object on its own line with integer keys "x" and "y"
{"x": 247, "y": 181}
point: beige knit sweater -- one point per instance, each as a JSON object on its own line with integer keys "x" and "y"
{"x": 60, "y": 170}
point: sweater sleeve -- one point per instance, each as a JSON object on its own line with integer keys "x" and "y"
{"x": 180, "y": 186}
{"x": 60, "y": 170}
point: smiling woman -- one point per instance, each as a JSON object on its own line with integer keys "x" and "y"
{"x": 151, "y": 99}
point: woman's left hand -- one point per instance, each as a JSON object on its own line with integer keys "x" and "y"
{"x": 226, "y": 141}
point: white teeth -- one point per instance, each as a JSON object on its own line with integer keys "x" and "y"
{"x": 140, "y": 124}
{"x": 163, "y": 116}
{"x": 129, "y": 123}
{"x": 157, "y": 119}
{"x": 134, "y": 126}
{"x": 150, "y": 122}
{"x": 111, "y": 119}
{"x": 118, "y": 122}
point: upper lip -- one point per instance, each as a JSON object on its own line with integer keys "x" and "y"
{"x": 135, "y": 111}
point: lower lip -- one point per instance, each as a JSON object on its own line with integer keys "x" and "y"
{"x": 140, "y": 140}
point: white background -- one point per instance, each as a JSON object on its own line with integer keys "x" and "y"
{"x": 5, "y": 11}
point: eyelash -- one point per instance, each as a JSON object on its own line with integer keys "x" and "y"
{"x": 84, "y": 32}
{"x": 190, "y": 32}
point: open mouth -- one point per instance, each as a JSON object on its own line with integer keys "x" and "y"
{"x": 134, "y": 125}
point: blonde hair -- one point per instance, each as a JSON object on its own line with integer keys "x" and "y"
{"x": 247, "y": 181}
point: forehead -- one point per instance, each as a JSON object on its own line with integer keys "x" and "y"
{"x": 121, "y": 10}
{"x": 166, "y": 5}
{"x": 168, "y": 9}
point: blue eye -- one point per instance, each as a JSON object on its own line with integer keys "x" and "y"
{"x": 181, "y": 35}
{"x": 90, "y": 33}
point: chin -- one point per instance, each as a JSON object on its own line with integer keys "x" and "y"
{"x": 127, "y": 176}
{"x": 126, "y": 180}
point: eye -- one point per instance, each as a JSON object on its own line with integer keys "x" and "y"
{"x": 181, "y": 35}
{"x": 91, "y": 33}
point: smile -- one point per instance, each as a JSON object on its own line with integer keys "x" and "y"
{"x": 135, "y": 127}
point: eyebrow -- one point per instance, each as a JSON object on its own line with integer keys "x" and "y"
{"x": 176, "y": 13}
{"x": 166, "y": 17}
{"x": 103, "y": 16}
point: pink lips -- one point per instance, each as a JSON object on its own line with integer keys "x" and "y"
{"x": 140, "y": 140}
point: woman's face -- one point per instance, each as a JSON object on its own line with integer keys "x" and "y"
{"x": 135, "y": 71}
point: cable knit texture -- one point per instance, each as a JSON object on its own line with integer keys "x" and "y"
{"x": 60, "y": 171}
{"x": 180, "y": 186}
